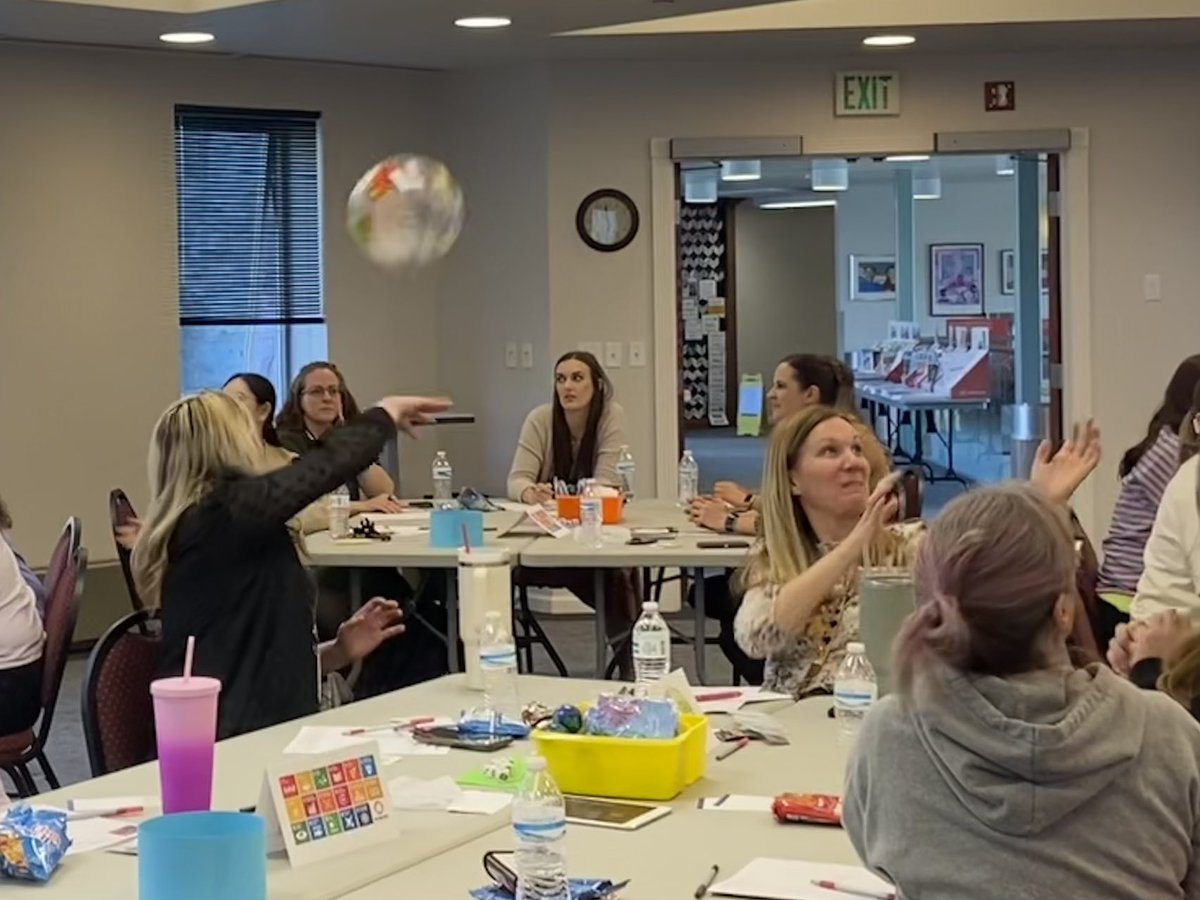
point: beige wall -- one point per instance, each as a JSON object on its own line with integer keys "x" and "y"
{"x": 89, "y": 347}
{"x": 786, "y": 285}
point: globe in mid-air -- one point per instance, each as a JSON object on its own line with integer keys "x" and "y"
{"x": 406, "y": 211}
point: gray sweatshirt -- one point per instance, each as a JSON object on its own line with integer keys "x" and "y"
{"x": 1053, "y": 785}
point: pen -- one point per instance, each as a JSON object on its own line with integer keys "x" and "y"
{"x": 707, "y": 883}
{"x": 105, "y": 813}
{"x": 854, "y": 892}
{"x": 394, "y": 726}
{"x": 718, "y": 695}
{"x": 725, "y": 754}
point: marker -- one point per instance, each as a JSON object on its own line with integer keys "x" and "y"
{"x": 854, "y": 892}
{"x": 395, "y": 726}
{"x": 718, "y": 695}
{"x": 707, "y": 883}
{"x": 105, "y": 813}
{"x": 725, "y": 754}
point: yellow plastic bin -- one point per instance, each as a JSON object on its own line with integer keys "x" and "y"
{"x": 626, "y": 768}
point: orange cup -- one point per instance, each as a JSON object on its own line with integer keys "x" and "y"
{"x": 612, "y": 514}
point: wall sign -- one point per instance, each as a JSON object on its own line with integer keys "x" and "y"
{"x": 999, "y": 96}
{"x": 866, "y": 94}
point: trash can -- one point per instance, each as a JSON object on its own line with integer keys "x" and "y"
{"x": 1027, "y": 432}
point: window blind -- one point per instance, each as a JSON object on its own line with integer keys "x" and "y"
{"x": 248, "y": 189}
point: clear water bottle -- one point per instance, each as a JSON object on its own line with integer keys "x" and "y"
{"x": 651, "y": 648}
{"x": 339, "y": 513}
{"x": 626, "y": 471}
{"x": 443, "y": 478}
{"x": 591, "y": 515}
{"x": 689, "y": 478}
{"x": 539, "y": 818}
{"x": 854, "y": 691}
{"x": 498, "y": 665}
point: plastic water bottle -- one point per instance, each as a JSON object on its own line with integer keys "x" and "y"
{"x": 626, "y": 471}
{"x": 339, "y": 513}
{"x": 539, "y": 818}
{"x": 689, "y": 478}
{"x": 854, "y": 691}
{"x": 443, "y": 478}
{"x": 498, "y": 665}
{"x": 591, "y": 515}
{"x": 651, "y": 648}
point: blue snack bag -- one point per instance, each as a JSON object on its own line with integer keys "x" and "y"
{"x": 32, "y": 842}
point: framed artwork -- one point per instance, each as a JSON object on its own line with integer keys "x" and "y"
{"x": 955, "y": 279}
{"x": 1008, "y": 272}
{"x": 872, "y": 277}
{"x": 1045, "y": 271}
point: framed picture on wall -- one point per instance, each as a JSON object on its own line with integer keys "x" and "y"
{"x": 955, "y": 279}
{"x": 1008, "y": 272}
{"x": 872, "y": 277}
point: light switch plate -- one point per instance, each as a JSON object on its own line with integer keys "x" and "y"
{"x": 510, "y": 355}
{"x": 527, "y": 356}
{"x": 1152, "y": 288}
{"x": 613, "y": 355}
{"x": 637, "y": 354}
{"x": 593, "y": 347}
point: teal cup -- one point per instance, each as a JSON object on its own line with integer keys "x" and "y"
{"x": 203, "y": 856}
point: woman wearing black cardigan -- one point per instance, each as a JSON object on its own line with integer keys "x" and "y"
{"x": 216, "y": 553}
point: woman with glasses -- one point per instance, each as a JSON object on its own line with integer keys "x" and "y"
{"x": 318, "y": 402}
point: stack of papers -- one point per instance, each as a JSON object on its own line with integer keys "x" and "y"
{"x": 442, "y": 794}
{"x": 729, "y": 700}
{"x": 393, "y": 745}
{"x": 792, "y": 879}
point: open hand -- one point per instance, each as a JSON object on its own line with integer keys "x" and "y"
{"x": 383, "y": 503}
{"x": 377, "y": 621}
{"x": 410, "y": 412}
{"x": 1060, "y": 474}
{"x": 1120, "y": 647}
{"x": 537, "y": 494}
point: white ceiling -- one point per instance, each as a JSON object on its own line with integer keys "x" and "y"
{"x": 420, "y": 33}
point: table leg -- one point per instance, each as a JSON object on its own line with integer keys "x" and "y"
{"x": 601, "y": 630}
{"x": 951, "y": 475}
{"x": 699, "y": 647}
{"x": 452, "y": 620}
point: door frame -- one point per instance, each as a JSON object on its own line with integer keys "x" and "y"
{"x": 1074, "y": 282}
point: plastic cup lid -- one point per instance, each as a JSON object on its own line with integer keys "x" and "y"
{"x": 484, "y": 556}
{"x": 196, "y": 686}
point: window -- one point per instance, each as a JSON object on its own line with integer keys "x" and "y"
{"x": 249, "y": 205}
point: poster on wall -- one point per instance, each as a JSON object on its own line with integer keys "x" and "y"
{"x": 955, "y": 279}
{"x": 872, "y": 277}
{"x": 1008, "y": 272}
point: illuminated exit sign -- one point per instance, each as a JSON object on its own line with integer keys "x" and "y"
{"x": 867, "y": 94}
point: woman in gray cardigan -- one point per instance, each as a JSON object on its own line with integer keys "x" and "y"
{"x": 999, "y": 772}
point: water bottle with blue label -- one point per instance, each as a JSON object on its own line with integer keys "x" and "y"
{"x": 854, "y": 691}
{"x": 626, "y": 471}
{"x": 443, "y": 479}
{"x": 539, "y": 819}
{"x": 498, "y": 666}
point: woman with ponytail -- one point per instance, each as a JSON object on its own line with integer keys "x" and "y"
{"x": 999, "y": 770}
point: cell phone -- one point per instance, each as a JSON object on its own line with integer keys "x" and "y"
{"x": 910, "y": 490}
{"x": 421, "y": 504}
{"x": 640, "y": 539}
{"x": 451, "y": 737}
{"x": 723, "y": 545}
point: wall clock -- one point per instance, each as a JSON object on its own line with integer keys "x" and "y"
{"x": 607, "y": 220}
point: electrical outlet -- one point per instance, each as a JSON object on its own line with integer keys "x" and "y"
{"x": 527, "y": 356}
{"x": 510, "y": 355}
{"x": 1152, "y": 288}
{"x": 612, "y": 355}
{"x": 637, "y": 354}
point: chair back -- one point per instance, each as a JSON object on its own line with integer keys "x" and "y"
{"x": 62, "y": 611}
{"x": 118, "y": 713}
{"x": 64, "y": 550}
{"x": 120, "y": 512}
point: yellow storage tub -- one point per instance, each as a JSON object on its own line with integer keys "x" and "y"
{"x": 626, "y": 768}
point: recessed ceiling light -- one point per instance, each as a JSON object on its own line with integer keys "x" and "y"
{"x": 908, "y": 157}
{"x": 186, "y": 37}
{"x": 741, "y": 170}
{"x": 889, "y": 40}
{"x": 483, "y": 22}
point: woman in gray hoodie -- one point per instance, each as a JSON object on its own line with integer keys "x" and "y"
{"x": 999, "y": 772}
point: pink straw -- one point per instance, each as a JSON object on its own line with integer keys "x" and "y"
{"x": 466, "y": 538}
{"x": 187, "y": 657}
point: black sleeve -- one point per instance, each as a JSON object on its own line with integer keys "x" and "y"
{"x": 274, "y": 498}
{"x": 296, "y": 441}
{"x": 1145, "y": 673}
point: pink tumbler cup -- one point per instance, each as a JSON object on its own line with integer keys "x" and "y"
{"x": 185, "y": 724}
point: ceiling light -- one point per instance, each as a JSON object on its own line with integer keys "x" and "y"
{"x": 889, "y": 40}
{"x": 1005, "y": 165}
{"x": 795, "y": 204}
{"x": 700, "y": 185}
{"x": 186, "y": 37}
{"x": 927, "y": 183}
{"x": 741, "y": 170}
{"x": 908, "y": 157}
{"x": 830, "y": 175}
{"x": 483, "y": 22}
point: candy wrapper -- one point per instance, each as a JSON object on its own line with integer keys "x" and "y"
{"x": 32, "y": 842}
{"x": 808, "y": 809}
{"x": 632, "y": 717}
{"x": 480, "y": 721}
{"x": 581, "y": 889}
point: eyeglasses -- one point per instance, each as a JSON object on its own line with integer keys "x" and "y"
{"x": 334, "y": 391}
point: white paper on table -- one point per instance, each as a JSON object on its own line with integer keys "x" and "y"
{"x": 100, "y": 804}
{"x": 90, "y": 835}
{"x": 736, "y": 803}
{"x": 393, "y": 745}
{"x": 443, "y": 794}
{"x": 792, "y": 879}
{"x": 481, "y": 803}
{"x": 730, "y": 705}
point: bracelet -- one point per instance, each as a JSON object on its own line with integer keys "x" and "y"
{"x": 731, "y": 520}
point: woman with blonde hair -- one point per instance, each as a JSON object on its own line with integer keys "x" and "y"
{"x": 215, "y": 552}
{"x": 821, "y": 522}
{"x": 997, "y": 751}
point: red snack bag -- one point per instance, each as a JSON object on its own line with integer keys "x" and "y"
{"x": 808, "y": 809}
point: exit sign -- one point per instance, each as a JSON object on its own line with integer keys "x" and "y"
{"x": 867, "y": 94}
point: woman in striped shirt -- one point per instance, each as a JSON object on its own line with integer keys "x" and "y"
{"x": 1145, "y": 471}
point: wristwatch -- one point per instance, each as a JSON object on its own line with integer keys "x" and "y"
{"x": 731, "y": 520}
